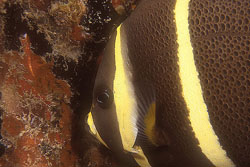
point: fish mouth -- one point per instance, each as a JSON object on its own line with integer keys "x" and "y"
{"x": 93, "y": 130}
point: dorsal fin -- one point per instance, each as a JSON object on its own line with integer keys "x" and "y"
{"x": 149, "y": 121}
{"x": 146, "y": 113}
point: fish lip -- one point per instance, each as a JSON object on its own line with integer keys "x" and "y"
{"x": 92, "y": 129}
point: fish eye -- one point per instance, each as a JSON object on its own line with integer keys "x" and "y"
{"x": 104, "y": 98}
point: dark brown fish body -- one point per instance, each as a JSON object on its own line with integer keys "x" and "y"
{"x": 195, "y": 54}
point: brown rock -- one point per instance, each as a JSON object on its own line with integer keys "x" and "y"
{"x": 12, "y": 126}
{"x": 43, "y": 63}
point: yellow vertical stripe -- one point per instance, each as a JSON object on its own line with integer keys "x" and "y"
{"x": 192, "y": 92}
{"x": 124, "y": 97}
{"x": 125, "y": 101}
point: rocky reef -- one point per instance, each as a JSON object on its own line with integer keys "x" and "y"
{"x": 49, "y": 54}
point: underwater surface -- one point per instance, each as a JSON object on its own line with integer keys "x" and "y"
{"x": 112, "y": 83}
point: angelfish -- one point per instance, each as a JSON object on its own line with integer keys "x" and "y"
{"x": 180, "y": 67}
{"x": 121, "y": 119}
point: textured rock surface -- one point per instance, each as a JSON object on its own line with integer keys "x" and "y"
{"x": 48, "y": 58}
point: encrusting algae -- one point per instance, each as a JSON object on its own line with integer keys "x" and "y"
{"x": 49, "y": 54}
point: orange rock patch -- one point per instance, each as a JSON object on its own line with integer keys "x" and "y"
{"x": 37, "y": 117}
